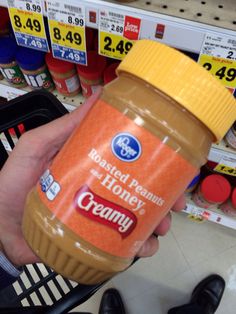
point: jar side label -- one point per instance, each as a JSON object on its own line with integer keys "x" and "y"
{"x": 113, "y": 181}
{"x": 40, "y": 79}
{"x": 67, "y": 85}
{"x": 13, "y": 75}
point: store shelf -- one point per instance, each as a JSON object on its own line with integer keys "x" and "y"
{"x": 214, "y": 215}
{"x": 221, "y": 150}
{"x": 10, "y": 92}
{"x": 186, "y": 21}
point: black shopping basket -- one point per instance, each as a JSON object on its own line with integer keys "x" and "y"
{"x": 38, "y": 289}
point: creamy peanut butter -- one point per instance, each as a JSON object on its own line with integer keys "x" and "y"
{"x": 126, "y": 164}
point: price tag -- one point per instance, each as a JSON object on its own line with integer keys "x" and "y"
{"x": 197, "y": 215}
{"x": 227, "y": 165}
{"x": 27, "y": 23}
{"x": 117, "y": 33}
{"x": 67, "y": 31}
{"x": 218, "y": 55}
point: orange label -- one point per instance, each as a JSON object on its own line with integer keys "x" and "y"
{"x": 113, "y": 181}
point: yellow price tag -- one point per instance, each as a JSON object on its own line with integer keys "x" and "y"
{"x": 114, "y": 46}
{"x": 223, "y": 69}
{"x": 225, "y": 170}
{"x": 30, "y": 23}
{"x": 67, "y": 35}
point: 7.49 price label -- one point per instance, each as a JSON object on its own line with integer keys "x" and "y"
{"x": 27, "y": 23}
{"x": 117, "y": 33}
{"x": 67, "y": 31}
{"x": 223, "y": 69}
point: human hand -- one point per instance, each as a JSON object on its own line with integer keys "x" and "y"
{"x": 31, "y": 156}
{"x": 29, "y": 159}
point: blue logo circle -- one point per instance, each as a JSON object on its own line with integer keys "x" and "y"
{"x": 126, "y": 147}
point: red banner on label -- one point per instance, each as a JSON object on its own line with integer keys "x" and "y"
{"x": 105, "y": 212}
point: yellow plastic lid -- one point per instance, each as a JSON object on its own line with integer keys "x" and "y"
{"x": 185, "y": 81}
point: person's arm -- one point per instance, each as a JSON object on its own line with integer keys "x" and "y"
{"x": 8, "y": 272}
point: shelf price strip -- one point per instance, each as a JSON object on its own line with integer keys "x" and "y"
{"x": 218, "y": 56}
{"x": 117, "y": 33}
{"x": 27, "y": 23}
{"x": 227, "y": 165}
{"x": 67, "y": 31}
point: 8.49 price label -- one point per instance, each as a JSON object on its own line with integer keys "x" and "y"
{"x": 67, "y": 31}
{"x": 27, "y": 23}
{"x": 117, "y": 33}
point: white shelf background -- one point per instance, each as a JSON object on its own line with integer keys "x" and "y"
{"x": 186, "y": 21}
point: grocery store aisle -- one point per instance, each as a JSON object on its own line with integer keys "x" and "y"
{"x": 190, "y": 252}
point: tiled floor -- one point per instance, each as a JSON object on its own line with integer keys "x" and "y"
{"x": 187, "y": 254}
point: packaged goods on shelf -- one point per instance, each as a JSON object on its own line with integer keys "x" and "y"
{"x": 4, "y": 22}
{"x": 230, "y": 137}
{"x": 91, "y": 75}
{"x": 64, "y": 76}
{"x": 193, "y": 184}
{"x": 212, "y": 191}
{"x": 8, "y": 65}
{"x": 229, "y": 207}
{"x": 33, "y": 66}
{"x": 110, "y": 72}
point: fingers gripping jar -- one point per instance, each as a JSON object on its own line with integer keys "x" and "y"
{"x": 124, "y": 167}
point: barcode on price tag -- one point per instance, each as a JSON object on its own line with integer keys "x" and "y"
{"x": 67, "y": 31}
{"x": 218, "y": 56}
{"x": 227, "y": 165}
{"x": 117, "y": 33}
{"x": 27, "y": 23}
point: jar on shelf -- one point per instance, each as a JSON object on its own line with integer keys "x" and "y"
{"x": 4, "y": 22}
{"x": 110, "y": 73}
{"x": 126, "y": 164}
{"x": 212, "y": 191}
{"x": 229, "y": 207}
{"x": 91, "y": 75}
{"x": 230, "y": 137}
{"x": 193, "y": 184}
{"x": 33, "y": 66}
{"x": 8, "y": 65}
{"x": 64, "y": 76}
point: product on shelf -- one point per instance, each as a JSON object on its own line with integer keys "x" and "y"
{"x": 230, "y": 137}
{"x": 64, "y": 76}
{"x": 89, "y": 34}
{"x": 33, "y": 66}
{"x": 193, "y": 184}
{"x": 125, "y": 165}
{"x": 213, "y": 190}
{"x": 91, "y": 76}
{"x": 4, "y": 22}
{"x": 110, "y": 72}
{"x": 229, "y": 207}
{"x": 8, "y": 65}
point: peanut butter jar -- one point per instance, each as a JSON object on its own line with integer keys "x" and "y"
{"x": 125, "y": 165}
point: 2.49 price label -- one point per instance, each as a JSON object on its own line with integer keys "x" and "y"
{"x": 114, "y": 46}
{"x": 223, "y": 69}
{"x": 67, "y": 31}
{"x": 28, "y": 25}
{"x": 117, "y": 33}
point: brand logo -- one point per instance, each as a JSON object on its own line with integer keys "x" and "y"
{"x": 131, "y": 28}
{"x": 126, "y": 147}
{"x": 98, "y": 209}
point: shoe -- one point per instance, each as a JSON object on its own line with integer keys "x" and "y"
{"x": 111, "y": 303}
{"x": 208, "y": 293}
{"x": 205, "y": 298}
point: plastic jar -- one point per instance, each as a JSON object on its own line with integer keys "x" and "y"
{"x": 91, "y": 76}
{"x": 32, "y": 64}
{"x": 193, "y": 184}
{"x": 126, "y": 164}
{"x": 9, "y": 68}
{"x": 64, "y": 76}
{"x": 229, "y": 207}
{"x": 4, "y": 22}
{"x": 110, "y": 73}
{"x": 230, "y": 137}
{"x": 213, "y": 190}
